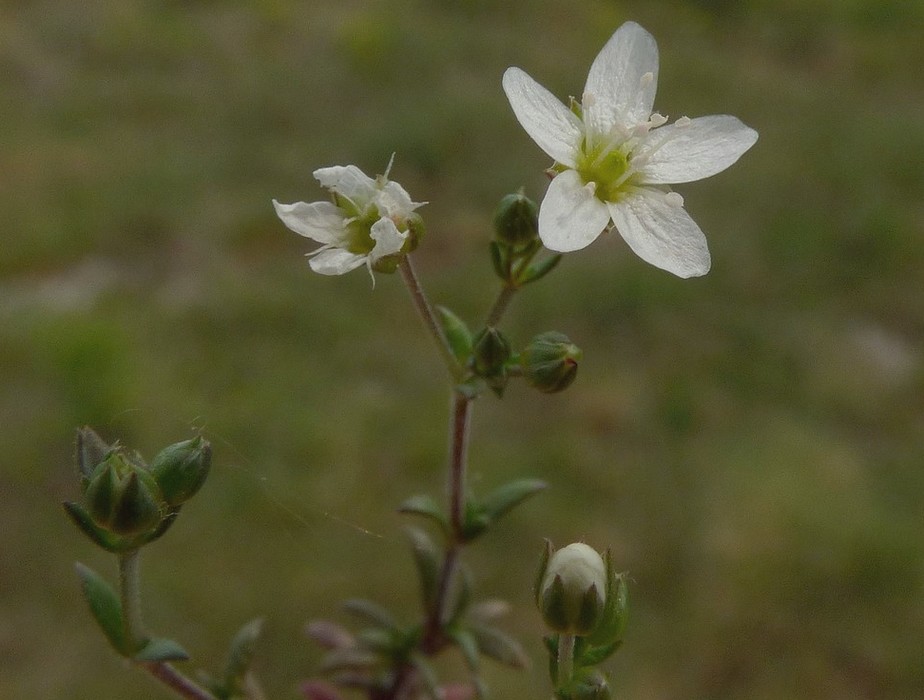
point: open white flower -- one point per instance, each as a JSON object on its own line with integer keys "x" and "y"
{"x": 615, "y": 159}
{"x": 369, "y": 222}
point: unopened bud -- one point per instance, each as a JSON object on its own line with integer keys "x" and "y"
{"x": 550, "y": 362}
{"x": 516, "y": 220}
{"x": 572, "y": 592}
{"x": 181, "y": 469}
{"x": 490, "y": 352}
{"x": 122, "y": 497}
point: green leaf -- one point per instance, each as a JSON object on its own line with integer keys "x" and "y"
{"x": 105, "y": 607}
{"x": 496, "y": 645}
{"x": 592, "y": 655}
{"x": 81, "y": 518}
{"x": 428, "y": 676}
{"x": 241, "y": 652}
{"x": 372, "y": 613}
{"x": 508, "y": 496}
{"x": 348, "y": 660}
{"x": 465, "y": 640}
{"x": 540, "y": 574}
{"x": 428, "y": 558}
{"x": 461, "y": 594}
{"x": 457, "y": 333}
{"x": 427, "y": 507}
{"x": 161, "y": 650}
{"x": 539, "y": 269}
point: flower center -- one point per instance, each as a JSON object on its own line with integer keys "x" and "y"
{"x": 608, "y": 168}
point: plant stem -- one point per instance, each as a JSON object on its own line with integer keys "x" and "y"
{"x": 130, "y": 594}
{"x": 425, "y": 310}
{"x": 500, "y": 304}
{"x": 565, "y": 658}
{"x": 133, "y": 629}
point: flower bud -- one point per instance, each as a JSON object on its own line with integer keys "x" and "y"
{"x": 572, "y": 590}
{"x": 181, "y": 469}
{"x": 415, "y": 232}
{"x": 550, "y": 362}
{"x": 516, "y": 220}
{"x": 490, "y": 352}
{"x": 123, "y": 498}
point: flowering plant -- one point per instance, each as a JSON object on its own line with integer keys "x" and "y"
{"x": 614, "y": 163}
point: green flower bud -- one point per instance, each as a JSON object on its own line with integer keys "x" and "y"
{"x": 550, "y": 362}
{"x": 572, "y": 590}
{"x": 123, "y": 498}
{"x": 181, "y": 469}
{"x": 415, "y": 231}
{"x": 490, "y": 352}
{"x": 516, "y": 221}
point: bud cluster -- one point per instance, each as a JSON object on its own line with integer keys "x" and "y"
{"x": 516, "y": 242}
{"x": 128, "y": 503}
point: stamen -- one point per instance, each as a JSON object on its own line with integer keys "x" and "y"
{"x": 675, "y": 199}
{"x": 588, "y": 100}
{"x": 388, "y": 169}
{"x": 682, "y": 122}
{"x": 656, "y": 120}
{"x": 646, "y": 79}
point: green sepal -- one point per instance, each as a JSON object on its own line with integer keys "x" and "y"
{"x": 539, "y": 269}
{"x": 91, "y": 450}
{"x": 498, "y": 646}
{"x": 181, "y": 469}
{"x": 428, "y": 558}
{"x": 155, "y": 650}
{"x": 373, "y": 613}
{"x": 457, "y": 334}
{"x": 612, "y": 625}
{"x": 587, "y": 654}
{"x": 105, "y": 607}
{"x": 81, "y": 518}
{"x": 552, "y": 606}
{"x": 427, "y": 507}
{"x": 503, "y": 499}
{"x": 540, "y": 575}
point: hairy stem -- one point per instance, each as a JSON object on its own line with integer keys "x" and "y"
{"x": 133, "y": 629}
{"x": 130, "y": 595}
{"x": 500, "y": 305}
{"x": 425, "y": 310}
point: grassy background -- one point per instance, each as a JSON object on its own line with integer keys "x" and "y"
{"x": 749, "y": 444}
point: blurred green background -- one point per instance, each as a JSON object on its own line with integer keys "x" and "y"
{"x": 749, "y": 444}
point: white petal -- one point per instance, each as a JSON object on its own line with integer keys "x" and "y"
{"x": 661, "y": 232}
{"x": 623, "y": 80}
{"x": 570, "y": 216}
{"x": 335, "y": 261}
{"x": 703, "y": 147}
{"x": 349, "y": 181}
{"x": 319, "y": 221}
{"x": 393, "y": 200}
{"x": 554, "y": 127}
{"x": 388, "y": 239}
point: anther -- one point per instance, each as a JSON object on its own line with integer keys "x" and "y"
{"x": 674, "y": 199}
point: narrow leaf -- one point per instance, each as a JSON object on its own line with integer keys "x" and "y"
{"x": 241, "y": 651}
{"x": 500, "y": 259}
{"x": 457, "y": 333}
{"x": 348, "y": 660}
{"x": 428, "y": 676}
{"x": 105, "y": 607}
{"x": 428, "y": 558}
{"x": 465, "y": 640}
{"x": 508, "y": 496}
{"x": 496, "y": 645}
{"x": 329, "y": 634}
{"x": 427, "y": 507}
{"x": 161, "y": 650}
{"x": 372, "y": 613}
{"x": 539, "y": 269}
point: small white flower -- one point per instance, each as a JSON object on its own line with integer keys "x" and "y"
{"x": 615, "y": 159}
{"x": 367, "y": 221}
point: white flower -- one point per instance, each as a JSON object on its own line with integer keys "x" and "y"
{"x": 615, "y": 159}
{"x": 368, "y": 221}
